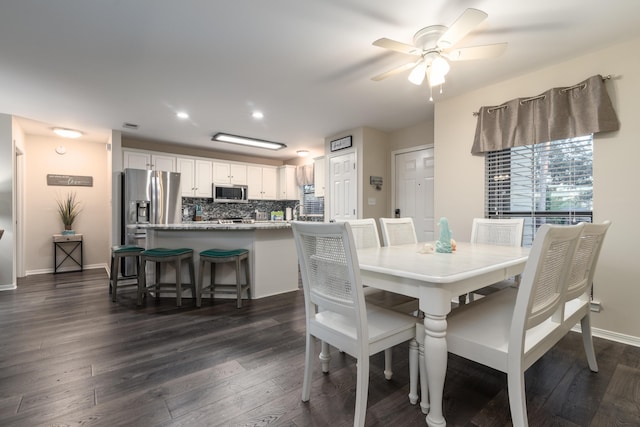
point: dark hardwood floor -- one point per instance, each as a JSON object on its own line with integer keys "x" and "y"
{"x": 72, "y": 357}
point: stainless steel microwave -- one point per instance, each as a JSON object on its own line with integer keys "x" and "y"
{"x": 226, "y": 193}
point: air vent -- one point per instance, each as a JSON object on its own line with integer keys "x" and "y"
{"x": 127, "y": 125}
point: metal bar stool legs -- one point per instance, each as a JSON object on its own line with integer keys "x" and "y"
{"x": 217, "y": 256}
{"x": 162, "y": 256}
{"x": 117, "y": 253}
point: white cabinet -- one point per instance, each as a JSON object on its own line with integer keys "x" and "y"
{"x": 229, "y": 173}
{"x": 146, "y": 160}
{"x": 195, "y": 177}
{"x": 262, "y": 183}
{"x": 318, "y": 176}
{"x": 287, "y": 187}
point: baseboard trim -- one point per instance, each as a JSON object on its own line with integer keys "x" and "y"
{"x": 64, "y": 269}
{"x": 611, "y": 336}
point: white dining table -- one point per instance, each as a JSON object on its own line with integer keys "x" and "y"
{"x": 436, "y": 279}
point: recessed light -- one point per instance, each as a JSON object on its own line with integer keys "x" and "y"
{"x": 303, "y": 153}
{"x": 257, "y": 115}
{"x": 182, "y": 115}
{"x": 67, "y": 133}
{"x": 242, "y": 140}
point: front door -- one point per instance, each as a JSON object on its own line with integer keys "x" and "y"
{"x": 413, "y": 196}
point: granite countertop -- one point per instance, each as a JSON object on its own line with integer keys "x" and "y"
{"x": 214, "y": 225}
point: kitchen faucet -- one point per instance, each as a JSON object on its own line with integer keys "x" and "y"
{"x": 297, "y": 211}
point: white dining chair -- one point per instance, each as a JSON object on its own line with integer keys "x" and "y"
{"x": 513, "y": 328}
{"x": 496, "y": 231}
{"x": 365, "y": 235}
{"x": 398, "y": 231}
{"x": 336, "y": 312}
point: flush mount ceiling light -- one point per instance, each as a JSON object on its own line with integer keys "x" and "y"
{"x": 257, "y": 115}
{"x": 302, "y": 153}
{"x": 251, "y": 142}
{"x": 182, "y": 115}
{"x": 67, "y": 133}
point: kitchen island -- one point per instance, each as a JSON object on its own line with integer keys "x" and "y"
{"x": 272, "y": 253}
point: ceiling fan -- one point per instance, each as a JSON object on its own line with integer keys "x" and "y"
{"x": 435, "y": 46}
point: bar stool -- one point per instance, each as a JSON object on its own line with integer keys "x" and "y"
{"x": 218, "y": 256}
{"x": 117, "y": 253}
{"x": 162, "y": 256}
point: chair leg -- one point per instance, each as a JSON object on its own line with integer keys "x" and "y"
{"x": 113, "y": 259}
{"x": 142, "y": 280}
{"x": 388, "y": 363}
{"x": 247, "y": 274}
{"x": 178, "y": 267}
{"x": 158, "y": 276}
{"x": 192, "y": 275}
{"x": 362, "y": 390}
{"x": 213, "y": 281}
{"x": 200, "y": 276}
{"x": 238, "y": 284}
{"x": 308, "y": 368}
{"x": 113, "y": 285}
{"x": 587, "y": 341}
{"x": 517, "y": 398}
{"x": 325, "y": 357}
{"x": 413, "y": 372}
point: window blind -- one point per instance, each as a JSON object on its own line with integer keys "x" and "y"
{"x": 548, "y": 183}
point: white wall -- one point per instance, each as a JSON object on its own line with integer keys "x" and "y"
{"x": 459, "y": 176}
{"x": 41, "y": 216}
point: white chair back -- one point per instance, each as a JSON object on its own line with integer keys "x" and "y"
{"x": 398, "y": 231}
{"x": 327, "y": 256}
{"x": 545, "y": 279}
{"x": 365, "y": 233}
{"x": 505, "y": 232}
{"x": 586, "y": 258}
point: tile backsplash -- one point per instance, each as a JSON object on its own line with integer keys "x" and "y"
{"x": 212, "y": 211}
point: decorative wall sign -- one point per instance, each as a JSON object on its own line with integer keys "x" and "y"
{"x": 341, "y": 144}
{"x": 70, "y": 180}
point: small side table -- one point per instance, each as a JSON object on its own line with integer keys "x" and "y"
{"x": 70, "y": 248}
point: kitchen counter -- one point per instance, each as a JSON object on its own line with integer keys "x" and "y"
{"x": 272, "y": 254}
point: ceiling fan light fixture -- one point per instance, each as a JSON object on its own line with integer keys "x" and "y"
{"x": 251, "y": 142}
{"x": 437, "y": 70}
{"x": 418, "y": 73}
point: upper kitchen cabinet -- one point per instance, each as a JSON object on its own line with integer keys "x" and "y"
{"x": 318, "y": 176}
{"x": 287, "y": 187}
{"x": 262, "y": 182}
{"x": 229, "y": 173}
{"x": 146, "y": 160}
{"x": 196, "y": 177}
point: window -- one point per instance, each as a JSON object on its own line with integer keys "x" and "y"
{"x": 548, "y": 183}
{"x": 312, "y": 205}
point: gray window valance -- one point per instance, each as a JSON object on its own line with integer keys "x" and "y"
{"x": 559, "y": 113}
{"x": 304, "y": 175}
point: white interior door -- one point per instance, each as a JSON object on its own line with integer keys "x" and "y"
{"x": 413, "y": 196}
{"x": 343, "y": 184}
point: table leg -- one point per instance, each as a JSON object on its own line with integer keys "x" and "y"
{"x": 435, "y": 344}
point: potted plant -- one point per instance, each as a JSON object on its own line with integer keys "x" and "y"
{"x": 68, "y": 209}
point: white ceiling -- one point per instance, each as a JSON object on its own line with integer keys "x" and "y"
{"x": 307, "y": 64}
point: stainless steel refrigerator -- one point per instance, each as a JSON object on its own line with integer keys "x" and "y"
{"x": 148, "y": 197}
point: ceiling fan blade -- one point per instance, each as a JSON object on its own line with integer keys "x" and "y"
{"x": 397, "y": 46}
{"x": 395, "y": 71}
{"x": 475, "y": 52}
{"x": 466, "y": 22}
